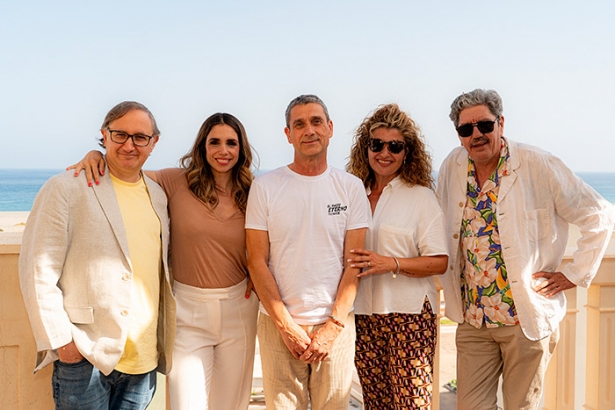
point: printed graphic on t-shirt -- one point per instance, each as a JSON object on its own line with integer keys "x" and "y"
{"x": 336, "y": 209}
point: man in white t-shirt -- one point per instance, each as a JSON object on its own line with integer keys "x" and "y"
{"x": 302, "y": 221}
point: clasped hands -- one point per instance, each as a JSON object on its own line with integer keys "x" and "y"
{"x": 308, "y": 345}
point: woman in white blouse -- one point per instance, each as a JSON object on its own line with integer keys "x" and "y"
{"x": 395, "y": 308}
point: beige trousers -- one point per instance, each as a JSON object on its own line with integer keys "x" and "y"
{"x": 289, "y": 383}
{"x": 486, "y": 353}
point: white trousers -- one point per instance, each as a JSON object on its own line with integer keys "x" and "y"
{"x": 213, "y": 357}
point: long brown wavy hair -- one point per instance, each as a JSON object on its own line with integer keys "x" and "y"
{"x": 198, "y": 171}
{"x": 416, "y": 167}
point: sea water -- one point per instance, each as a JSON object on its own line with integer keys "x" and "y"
{"x": 18, "y": 187}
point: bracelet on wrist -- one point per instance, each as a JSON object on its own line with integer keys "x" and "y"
{"x": 336, "y": 321}
{"x": 398, "y": 268}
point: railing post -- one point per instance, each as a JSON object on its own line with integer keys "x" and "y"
{"x": 600, "y": 373}
{"x": 559, "y": 392}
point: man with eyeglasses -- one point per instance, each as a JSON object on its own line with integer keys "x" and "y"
{"x": 507, "y": 210}
{"x": 302, "y": 220}
{"x": 94, "y": 276}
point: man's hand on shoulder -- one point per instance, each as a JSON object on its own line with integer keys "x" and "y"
{"x": 550, "y": 283}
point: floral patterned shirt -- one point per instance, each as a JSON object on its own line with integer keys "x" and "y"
{"x": 485, "y": 289}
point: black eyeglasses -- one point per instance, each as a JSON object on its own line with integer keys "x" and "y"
{"x": 377, "y": 145}
{"x": 485, "y": 127}
{"x": 120, "y": 137}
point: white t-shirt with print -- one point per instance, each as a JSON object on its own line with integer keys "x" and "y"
{"x": 307, "y": 218}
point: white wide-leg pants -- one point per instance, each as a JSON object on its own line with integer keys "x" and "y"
{"x": 213, "y": 356}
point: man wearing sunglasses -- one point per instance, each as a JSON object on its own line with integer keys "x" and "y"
{"x": 508, "y": 207}
{"x": 94, "y": 275}
{"x": 302, "y": 220}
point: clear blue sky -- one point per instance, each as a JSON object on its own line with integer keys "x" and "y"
{"x": 64, "y": 64}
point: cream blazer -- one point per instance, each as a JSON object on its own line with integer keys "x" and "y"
{"x": 75, "y": 272}
{"x": 537, "y": 201}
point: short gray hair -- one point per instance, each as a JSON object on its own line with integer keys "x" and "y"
{"x": 489, "y": 98}
{"x": 305, "y": 99}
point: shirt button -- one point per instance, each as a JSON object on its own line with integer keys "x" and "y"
{"x": 455, "y": 236}
{"x": 126, "y": 277}
{"x": 460, "y": 204}
{"x": 124, "y": 313}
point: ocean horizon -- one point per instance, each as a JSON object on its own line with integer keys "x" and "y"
{"x": 18, "y": 187}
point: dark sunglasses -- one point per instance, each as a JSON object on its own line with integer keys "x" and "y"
{"x": 377, "y": 145}
{"x": 484, "y": 127}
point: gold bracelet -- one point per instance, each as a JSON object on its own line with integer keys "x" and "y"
{"x": 398, "y": 267}
{"x": 336, "y": 321}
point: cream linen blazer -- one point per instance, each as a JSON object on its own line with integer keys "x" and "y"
{"x": 538, "y": 200}
{"x": 76, "y": 274}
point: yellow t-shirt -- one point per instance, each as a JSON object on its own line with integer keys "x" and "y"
{"x": 145, "y": 249}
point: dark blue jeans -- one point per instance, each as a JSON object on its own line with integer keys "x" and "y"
{"x": 82, "y": 386}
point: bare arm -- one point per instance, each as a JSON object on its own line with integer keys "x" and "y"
{"x": 349, "y": 284}
{"x": 295, "y": 338}
{"x": 324, "y": 337}
{"x": 93, "y": 164}
{"x": 418, "y": 267}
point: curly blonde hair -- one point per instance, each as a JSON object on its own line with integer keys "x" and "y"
{"x": 198, "y": 171}
{"x": 416, "y": 167}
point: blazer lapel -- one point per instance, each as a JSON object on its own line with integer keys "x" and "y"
{"x": 159, "y": 203}
{"x": 513, "y": 165}
{"x": 108, "y": 202}
{"x": 461, "y": 173}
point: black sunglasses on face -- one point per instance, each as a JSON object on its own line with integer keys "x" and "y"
{"x": 484, "y": 127}
{"x": 377, "y": 145}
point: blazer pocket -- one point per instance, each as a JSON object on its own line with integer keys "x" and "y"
{"x": 83, "y": 315}
{"x": 538, "y": 224}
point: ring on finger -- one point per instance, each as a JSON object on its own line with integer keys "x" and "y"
{"x": 369, "y": 264}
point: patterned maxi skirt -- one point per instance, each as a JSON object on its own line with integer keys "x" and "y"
{"x": 394, "y": 359}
